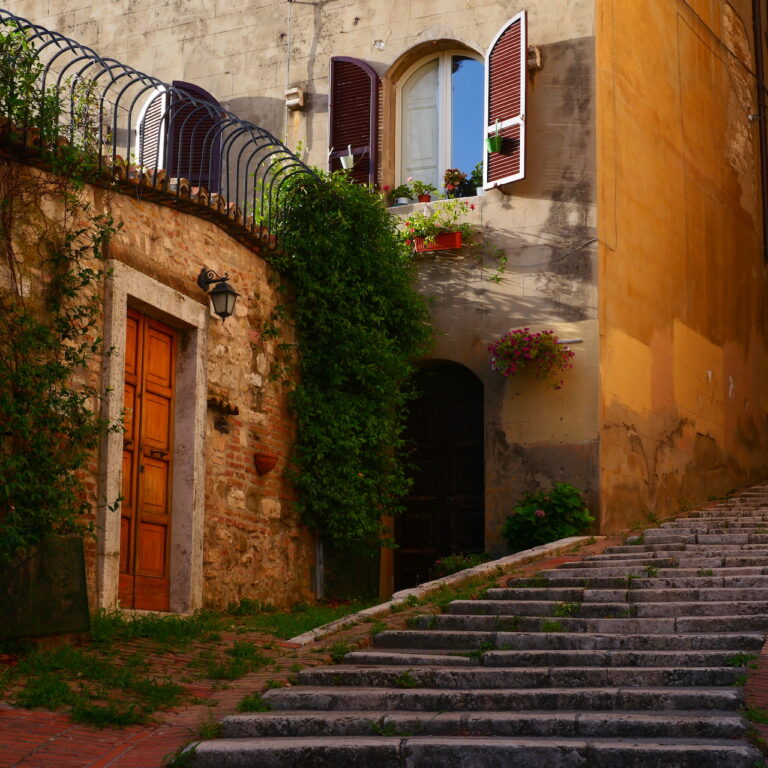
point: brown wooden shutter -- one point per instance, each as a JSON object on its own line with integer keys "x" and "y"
{"x": 354, "y": 117}
{"x": 505, "y": 77}
{"x": 194, "y": 140}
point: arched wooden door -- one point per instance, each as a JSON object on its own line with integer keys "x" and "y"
{"x": 445, "y": 511}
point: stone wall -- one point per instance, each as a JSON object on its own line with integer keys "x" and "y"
{"x": 252, "y": 542}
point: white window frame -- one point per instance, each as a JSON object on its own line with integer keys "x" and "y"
{"x": 443, "y": 106}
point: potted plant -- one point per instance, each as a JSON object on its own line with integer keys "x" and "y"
{"x": 493, "y": 143}
{"x": 401, "y": 194}
{"x": 348, "y": 160}
{"x": 423, "y": 191}
{"x": 540, "y": 350}
{"x": 440, "y": 229}
{"x": 476, "y": 179}
{"x": 453, "y": 180}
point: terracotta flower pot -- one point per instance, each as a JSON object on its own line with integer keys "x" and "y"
{"x": 425, "y": 198}
{"x": 445, "y": 241}
{"x": 265, "y": 462}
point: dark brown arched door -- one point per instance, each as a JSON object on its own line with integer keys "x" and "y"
{"x": 444, "y": 514}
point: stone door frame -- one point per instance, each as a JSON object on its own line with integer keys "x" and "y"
{"x": 127, "y": 286}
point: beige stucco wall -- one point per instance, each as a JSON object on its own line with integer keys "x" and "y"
{"x": 682, "y": 279}
{"x": 246, "y": 53}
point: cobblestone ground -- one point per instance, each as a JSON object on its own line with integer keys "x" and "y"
{"x": 41, "y": 739}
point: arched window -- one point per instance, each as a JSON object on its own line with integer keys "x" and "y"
{"x": 440, "y": 116}
{"x": 178, "y": 129}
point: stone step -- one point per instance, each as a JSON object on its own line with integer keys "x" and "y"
{"x": 673, "y": 550}
{"x": 627, "y": 609}
{"x": 558, "y": 658}
{"x": 620, "y": 625}
{"x": 496, "y": 607}
{"x": 343, "y": 699}
{"x": 587, "y": 576}
{"x": 738, "y": 580}
{"x": 450, "y": 752}
{"x": 413, "y": 657}
{"x": 714, "y": 559}
{"x": 579, "y": 658}
{"x": 487, "y": 678}
{"x": 700, "y": 725}
{"x": 631, "y": 595}
{"x": 473, "y": 640}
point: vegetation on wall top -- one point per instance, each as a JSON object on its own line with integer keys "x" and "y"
{"x": 361, "y": 325}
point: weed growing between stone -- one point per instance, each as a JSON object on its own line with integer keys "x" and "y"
{"x": 253, "y": 703}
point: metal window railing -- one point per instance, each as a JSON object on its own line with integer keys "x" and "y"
{"x": 139, "y": 128}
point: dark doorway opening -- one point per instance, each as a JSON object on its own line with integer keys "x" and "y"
{"x": 444, "y": 513}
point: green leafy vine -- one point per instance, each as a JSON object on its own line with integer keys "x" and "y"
{"x": 52, "y": 247}
{"x": 360, "y": 326}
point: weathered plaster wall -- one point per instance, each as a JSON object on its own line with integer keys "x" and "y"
{"x": 682, "y": 281}
{"x": 246, "y": 53}
{"x": 253, "y": 544}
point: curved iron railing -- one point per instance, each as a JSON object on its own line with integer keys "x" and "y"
{"x": 160, "y": 137}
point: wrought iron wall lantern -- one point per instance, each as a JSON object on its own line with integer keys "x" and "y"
{"x": 223, "y": 295}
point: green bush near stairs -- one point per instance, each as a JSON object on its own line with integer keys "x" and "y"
{"x": 547, "y": 516}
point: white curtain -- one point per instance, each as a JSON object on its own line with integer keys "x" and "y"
{"x": 419, "y": 150}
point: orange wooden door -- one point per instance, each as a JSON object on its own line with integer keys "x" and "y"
{"x": 150, "y": 364}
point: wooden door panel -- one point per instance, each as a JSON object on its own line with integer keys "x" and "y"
{"x": 151, "y": 550}
{"x": 125, "y": 544}
{"x": 157, "y": 421}
{"x": 126, "y": 485}
{"x": 155, "y": 479}
{"x": 129, "y": 410}
{"x": 131, "y": 343}
{"x": 159, "y": 357}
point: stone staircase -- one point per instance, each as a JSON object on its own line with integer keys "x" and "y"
{"x": 634, "y": 658}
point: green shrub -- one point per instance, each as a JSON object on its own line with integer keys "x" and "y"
{"x": 455, "y": 563}
{"x": 547, "y": 516}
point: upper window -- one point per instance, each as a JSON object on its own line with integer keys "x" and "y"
{"x": 179, "y": 129}
{"x": 440, "y": 116}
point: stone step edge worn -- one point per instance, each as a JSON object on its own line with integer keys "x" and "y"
{"x": 498, "y": 567}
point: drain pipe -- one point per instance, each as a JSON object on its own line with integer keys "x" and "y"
{"x": 757, "y": 33}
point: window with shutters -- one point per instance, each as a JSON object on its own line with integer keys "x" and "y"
{"x": 179, "y": 129}
{"x": 440, "y": 117}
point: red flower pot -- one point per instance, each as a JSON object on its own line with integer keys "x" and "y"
{"x": 265, "y": 462}
{"x": 425, "y": 198}
{"x": 445, "y": 241}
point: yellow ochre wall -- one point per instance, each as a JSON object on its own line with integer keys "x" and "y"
{"x": 681, "y": 273}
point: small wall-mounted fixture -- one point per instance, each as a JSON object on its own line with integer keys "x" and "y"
{"x": 294, "y": 98}
{"x": 223, "y": 295}
{"x": 534, "y": 57}
{"x": 220, "y": 424}
{"x": 265, "y": 461}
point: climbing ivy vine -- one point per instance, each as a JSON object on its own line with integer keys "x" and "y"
{"x": 360, "y": 326}
{"x": 51, "y": 245}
